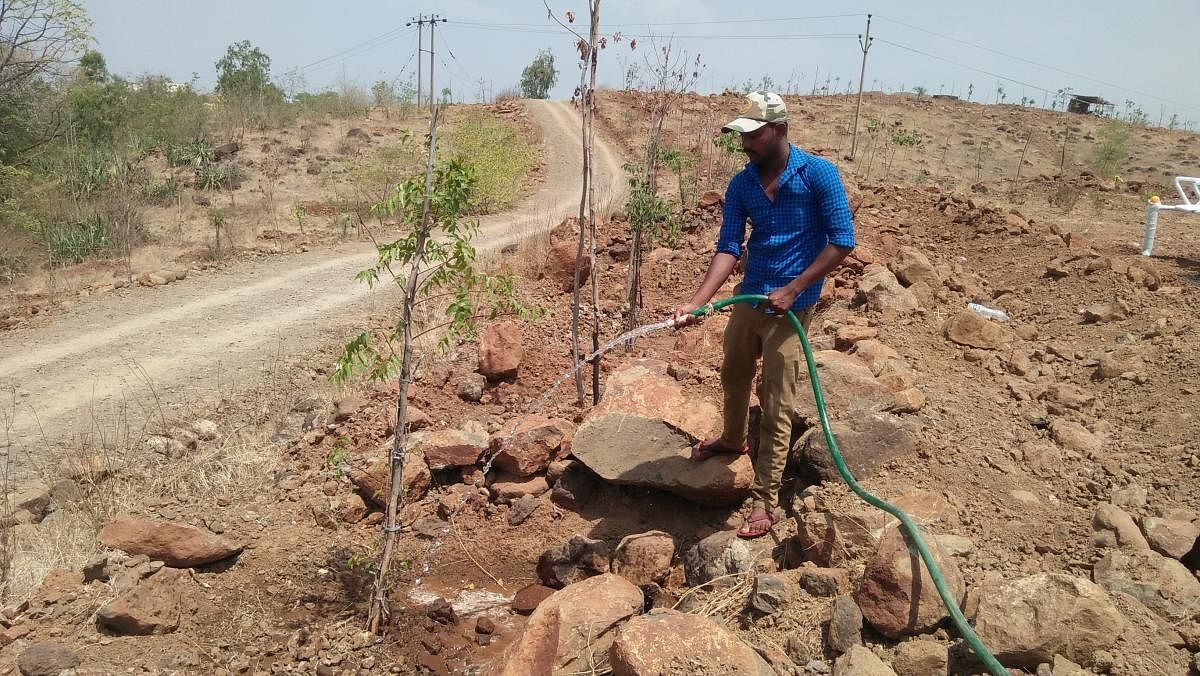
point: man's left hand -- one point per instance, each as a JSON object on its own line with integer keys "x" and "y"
{"x": 780, "y": 300}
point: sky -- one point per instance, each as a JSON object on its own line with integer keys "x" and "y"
{"x": 1146, "y": 52}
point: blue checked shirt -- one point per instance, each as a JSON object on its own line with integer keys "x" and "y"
{"x": 810, "y": 210}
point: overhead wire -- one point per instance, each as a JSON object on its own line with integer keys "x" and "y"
{"x": 960, "y": 64}
{"x": 357, "y": 49}
{"x": 1035, "y": 63}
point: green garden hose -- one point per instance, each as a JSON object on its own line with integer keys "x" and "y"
{"x": 906, "y": 522}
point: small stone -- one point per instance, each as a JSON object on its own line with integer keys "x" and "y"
{"x": 522, "y": 508}
{"x": 485, "y": 625}
{"x": 825, "y": 581}
{"x": 47, "y": 659}
{"x": 859, "y": 661}
{"x": 577, "y": 558}
{"x": 845, "y": 625}
{"x": 528, "y": 598}
{"x": 441, "y": 611}
{"x": 770, "y": 594}
{"x": 921, "y": 658}
{"x": 206, "y": 430}
{"x": 470, "y": 387}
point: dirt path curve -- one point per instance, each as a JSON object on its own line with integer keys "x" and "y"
{"x": 230, "y": 327}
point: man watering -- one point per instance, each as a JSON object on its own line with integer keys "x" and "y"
{"x": 800, "y": 230}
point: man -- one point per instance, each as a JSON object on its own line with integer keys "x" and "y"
{"x": 800, "y": 230}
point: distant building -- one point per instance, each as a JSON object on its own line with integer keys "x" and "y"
{"x": 1090, "y": 105}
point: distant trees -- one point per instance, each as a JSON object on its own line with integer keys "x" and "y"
{"x": 244, "y": 83}
{"x": 539, "y": 76}
{"x": 40, "y": 44}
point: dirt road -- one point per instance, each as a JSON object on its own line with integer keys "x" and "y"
{"x": 221, "y": 330}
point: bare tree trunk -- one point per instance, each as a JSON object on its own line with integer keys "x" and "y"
{"x": 391, "y": 524}
{"x": 590, "y": 133}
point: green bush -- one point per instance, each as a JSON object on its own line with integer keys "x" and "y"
{"x": 160, "y": 193}
{"x": 218, "y": 177}
{"x": 1113, "y": 149}
{"x": 78, "y": 241}
{"x": 500, "y": 156}
{"x": 195, "y": 153}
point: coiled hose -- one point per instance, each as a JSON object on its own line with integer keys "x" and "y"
{"x": 906, "y": 522}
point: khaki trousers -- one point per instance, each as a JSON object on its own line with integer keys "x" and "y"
{"x": 750, "y": 334}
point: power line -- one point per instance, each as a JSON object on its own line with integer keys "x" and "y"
{"x": 360, "y": 48}
{"x": 963, "y": 65}
{"x": 1038, "y": 64}
{"x": 458, "y": 64}
{"x": 674, "y": 23}
{"x": 783, "y": 36}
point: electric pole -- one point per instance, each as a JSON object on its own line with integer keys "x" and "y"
{"x": 433, "y": 19}
{"x": 865, "y": 43}
{"x": 421, "y": 20}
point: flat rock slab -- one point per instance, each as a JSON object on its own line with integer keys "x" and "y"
{"x": 632, "y": 450}
{"x": 177, "y": 545}
{"x": 642, "y": 433}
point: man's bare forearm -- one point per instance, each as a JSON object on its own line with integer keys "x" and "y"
{"x": 719, "y": 269}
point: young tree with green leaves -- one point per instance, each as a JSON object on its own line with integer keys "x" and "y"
{"x": 436, "y": 261}
{"x": 244, "y": 82}
{"x": 539, "y": 76}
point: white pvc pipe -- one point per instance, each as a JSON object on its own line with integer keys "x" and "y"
{"x": 1155, "y": 205}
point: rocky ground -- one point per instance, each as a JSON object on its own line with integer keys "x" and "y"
{"x": 1049, "y": 459}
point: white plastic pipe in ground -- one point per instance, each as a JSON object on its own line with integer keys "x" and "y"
{"x": 1191, "y": 204}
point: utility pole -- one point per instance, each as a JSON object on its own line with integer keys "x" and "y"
{"x": 420, "y": 21}
{"x": 864, "y": 42}
{"x": 433, "y": 19}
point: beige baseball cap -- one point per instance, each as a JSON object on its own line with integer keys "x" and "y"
{"x": 763, "y": 107}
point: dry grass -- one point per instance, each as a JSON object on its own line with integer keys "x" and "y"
{"x": 108, "y": 469}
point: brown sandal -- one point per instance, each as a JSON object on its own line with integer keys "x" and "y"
{"x": 703, "y": 450}
{"x": 749, "y": 530}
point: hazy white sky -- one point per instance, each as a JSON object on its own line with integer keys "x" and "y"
{"x": 1146, "y": 51}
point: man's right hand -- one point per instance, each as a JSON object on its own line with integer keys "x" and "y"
{"x": 684, "y": 316}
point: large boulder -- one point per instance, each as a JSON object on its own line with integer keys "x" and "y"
{"x": 833, "y": 538}
{"x": 896, "y": 599}
{"x": 866, "y": 443}
{"x": 576, "y": 558}
{"x": 848, "y": 384}
{"x": 530, "y": 443}
{"x": 372, "y": 477}
{"x": 1163, "y": 585}
{"x": 1115, "y": 528}
{"x": 644, "y": 558}
{"x": 151, "y": 607}
{"x": 500, "y": 350}
{"x": 911, "y": 266}
{"x": 721, "y": 554}
{"x": 1028, "y": 621}
{"x": 880, "y": 290}
{"x": 570, "y": 628}
{"x": 561, "y": 265}
{"x": 970, "y": 329}
{"x": 641, "y": 434}
{"x": 1170, "y": 537}
{"x": 666, "y": 641}
{"x": 177, "y": 545}
{"x": 444, "y": 449}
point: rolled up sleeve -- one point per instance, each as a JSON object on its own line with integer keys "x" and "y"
{"x": 733, "y": 221}
{"x": 832, "y": 204}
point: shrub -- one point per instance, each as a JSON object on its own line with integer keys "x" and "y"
{"x": 500, "y": 156}
{"x": 1113, "y": 149}
{"x": 78, "y": 241}
{"x": 160, "y": 193}
{"x": 225, "y": 176}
